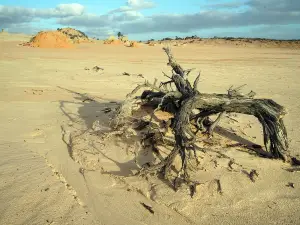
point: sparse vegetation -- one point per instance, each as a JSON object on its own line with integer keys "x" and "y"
{"x": 191, "y": 37}
{"x": 237, "y": 41}
{"x": 120, "y": 35}
{"x": 73, "y": 33}
{"x": 167, "y": 39}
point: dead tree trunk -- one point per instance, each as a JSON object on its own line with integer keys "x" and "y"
{"x": 186, "y": 99}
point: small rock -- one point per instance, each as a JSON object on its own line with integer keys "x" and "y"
{"x": 126, "y": 74}
{"x": 290, "y": 184}
{"x": 98, "y": 127}
{"x": 97, "y": 68}
{"x": 149, "y": 208}
{"x": 106, "y": 110}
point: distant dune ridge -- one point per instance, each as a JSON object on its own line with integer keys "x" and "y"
{"x": 70, "y": 37}
{"x": 231, "y": 41}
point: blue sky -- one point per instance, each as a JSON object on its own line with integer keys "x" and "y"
{"x": 145, "y": 19}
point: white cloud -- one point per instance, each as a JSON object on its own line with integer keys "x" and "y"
{"x": 72, "y": 9}
{"x": 134, "y": 5}
{"x": 85, "y": 20}
{"x": 256, "y": 12}
{"x": 96, "y": 21}
{"x": 102, "y": 32}
{"x": 140, "y": 4}
{"x": 134, "y": 14}
{"x": 225, "y": 5}
{"x": 15, "y": 14}
{"x": 101, "y": 25}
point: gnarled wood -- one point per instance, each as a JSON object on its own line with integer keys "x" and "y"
{"x": 183, "y": 102}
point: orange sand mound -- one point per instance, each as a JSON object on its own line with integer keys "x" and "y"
{"x": 50, "y": 39}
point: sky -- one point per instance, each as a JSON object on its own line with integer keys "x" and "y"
{"x": 147, "y": 19}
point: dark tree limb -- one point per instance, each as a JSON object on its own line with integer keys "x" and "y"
{"x": 268, "y": 112}
{"x": 186, "y": 99}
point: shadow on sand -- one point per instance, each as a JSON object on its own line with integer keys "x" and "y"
{"x": 85, "y": 110}
{"x": 89, "y": 110}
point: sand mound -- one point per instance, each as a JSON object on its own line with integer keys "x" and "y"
{"x": 113, "y": 42}
{"x": 134, "y": 44}
{"x": 124, "y": 38}
{"x": 76, "y": 36}
{"x": 62, "y": 38}
{"x": 50, "y": 39}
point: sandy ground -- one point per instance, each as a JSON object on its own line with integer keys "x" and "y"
{"x": 43, "y": 99}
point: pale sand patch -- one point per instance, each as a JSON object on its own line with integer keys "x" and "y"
{"x": 34, "y": 156}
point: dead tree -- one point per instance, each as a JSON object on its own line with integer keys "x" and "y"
{"x": 191, "y": 110}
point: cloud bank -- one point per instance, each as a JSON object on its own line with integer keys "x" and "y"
{"x": 130, "y": 19}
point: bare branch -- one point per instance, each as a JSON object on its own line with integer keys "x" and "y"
{"x": 185, "y": 100}
{"x": 196, "y": 82}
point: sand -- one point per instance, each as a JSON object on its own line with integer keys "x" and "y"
{"x": 44, "y": 100}
{"x": 50, "y": 39}
{"x": 61, "y": 38}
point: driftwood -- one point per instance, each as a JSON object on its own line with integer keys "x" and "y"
{"x": 191, "y": 110}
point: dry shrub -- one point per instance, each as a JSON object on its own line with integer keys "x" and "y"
{"x": 76, "y": 36}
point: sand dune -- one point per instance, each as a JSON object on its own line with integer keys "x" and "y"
{"x": 46, "y": 96}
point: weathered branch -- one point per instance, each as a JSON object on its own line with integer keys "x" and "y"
{"x": 172, "y": 62}
{"x": 185, "y": 100}
{"x": 268, "y": 112}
